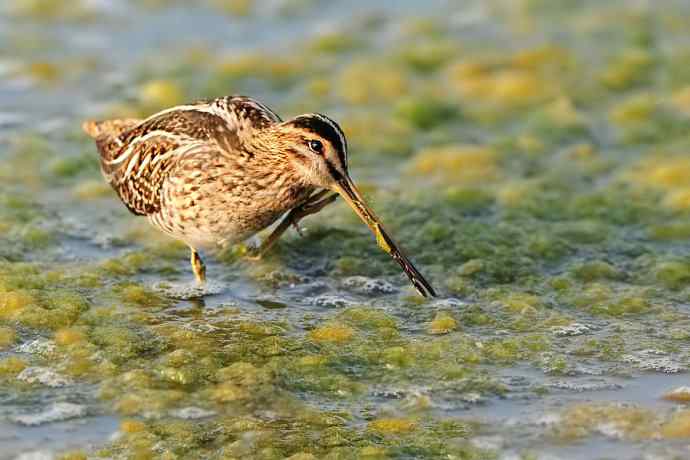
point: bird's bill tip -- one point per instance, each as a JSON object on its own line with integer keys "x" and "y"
{"x": 348, "y": 190}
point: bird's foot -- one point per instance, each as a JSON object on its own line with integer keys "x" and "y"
{"x": 198, "y": 267}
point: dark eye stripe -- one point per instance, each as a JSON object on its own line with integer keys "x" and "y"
{"x": 333, "y": 171}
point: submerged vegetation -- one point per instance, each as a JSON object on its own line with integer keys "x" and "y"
{"x": 531, "y": 156}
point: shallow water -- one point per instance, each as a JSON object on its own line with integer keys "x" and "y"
{"x": 532, "y": 156}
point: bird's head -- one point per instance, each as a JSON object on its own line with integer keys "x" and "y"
{"x": 317, "y": 149}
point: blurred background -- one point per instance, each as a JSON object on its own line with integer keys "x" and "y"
{"x": 533, "y": 156}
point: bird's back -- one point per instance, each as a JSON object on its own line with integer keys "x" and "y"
{"x": 137, "y": 155}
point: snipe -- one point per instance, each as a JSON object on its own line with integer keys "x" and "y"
{"x": 216, "y": 172}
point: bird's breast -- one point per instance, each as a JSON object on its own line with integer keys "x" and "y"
{"x": 210, "y": 208}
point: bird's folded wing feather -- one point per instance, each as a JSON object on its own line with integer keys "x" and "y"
{"x": 137, "y": 155}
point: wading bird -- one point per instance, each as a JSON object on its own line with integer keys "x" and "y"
{"x": 216, "y": 172}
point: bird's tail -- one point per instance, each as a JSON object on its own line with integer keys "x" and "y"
{"x": 108, "y": 128}
{"x": 90, "y": 127}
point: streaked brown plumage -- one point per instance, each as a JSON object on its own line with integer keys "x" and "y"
{"x": 217, "y": 172}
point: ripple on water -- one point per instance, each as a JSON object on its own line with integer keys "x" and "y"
{"x": 190, "y": 290}
{"x": 368, "y": 286}
{"x": 56, "y": 412}
{"x": 576, "y": 386}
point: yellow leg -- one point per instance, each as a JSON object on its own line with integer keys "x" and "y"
{"x": 198, "y": 266}
{"x": 314, "y": 204}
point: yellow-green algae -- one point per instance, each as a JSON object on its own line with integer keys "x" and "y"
{"x": 443, "y": 323}
{"x": 629, "y": 422}
{"x": 43, "y": 10}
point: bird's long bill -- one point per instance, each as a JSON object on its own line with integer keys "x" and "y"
{"x": 347, "y": 189}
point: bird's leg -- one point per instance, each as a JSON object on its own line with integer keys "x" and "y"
{"x": 314, "y": 204}
{"x": 198, "y": 266}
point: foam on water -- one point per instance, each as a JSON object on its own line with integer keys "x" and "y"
{"x": 191, "y": 413}
{"x": 368, "y": 286}
{"x": 44, "y": 376}
{"x": 55, "y": 413}
{"x": 190, "y": 290}
{"x": 41, "y": 347}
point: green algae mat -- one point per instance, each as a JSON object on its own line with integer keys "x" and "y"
{"x": 533, "y": 157}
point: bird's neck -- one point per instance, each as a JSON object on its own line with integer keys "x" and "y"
{"x": 267, "y": 153}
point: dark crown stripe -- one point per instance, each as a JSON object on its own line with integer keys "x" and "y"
{"x": 327, "y": 129}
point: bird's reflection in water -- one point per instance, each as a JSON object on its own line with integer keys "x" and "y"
{"x": 197, "y": 304}
{"x": 191, "y": 308}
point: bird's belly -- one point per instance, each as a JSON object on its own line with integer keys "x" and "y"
{"x": 213, "y": 221}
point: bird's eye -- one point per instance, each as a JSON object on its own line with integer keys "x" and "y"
{"x": 315, "y": 146}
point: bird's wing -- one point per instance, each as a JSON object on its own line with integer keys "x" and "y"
{"x": 247, "y": 111}
{"x": 137, "y": 156}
